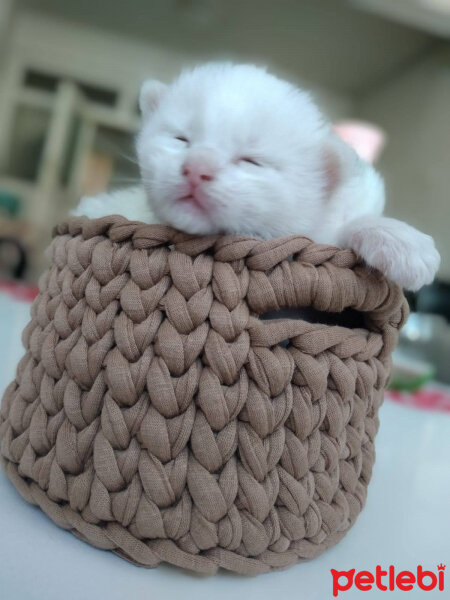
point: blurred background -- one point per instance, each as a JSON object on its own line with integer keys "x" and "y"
{"x": 70, "y": 73}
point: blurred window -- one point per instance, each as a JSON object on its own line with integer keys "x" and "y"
{"x": 28, "y": 137}
{"x": 40, "y": 81}
{"x": 112, "y": 155}
{"x": 47, "y": 82}
{"x": 97, "y": 94}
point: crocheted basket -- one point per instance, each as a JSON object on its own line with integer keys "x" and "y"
{"x": 155, "y": 415}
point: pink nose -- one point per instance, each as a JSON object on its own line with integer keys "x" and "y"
{"x": 197, "y": 172}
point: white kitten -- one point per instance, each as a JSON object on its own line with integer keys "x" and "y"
{"x": 233, "y": 149}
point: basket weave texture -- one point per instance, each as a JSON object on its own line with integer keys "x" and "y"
{"x": 156, "y": 415}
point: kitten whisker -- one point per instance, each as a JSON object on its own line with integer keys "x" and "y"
{"x": 129, "y": 158}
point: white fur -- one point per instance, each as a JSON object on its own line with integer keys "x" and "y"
{"x": 403, "y": 253}
{"x": 307, "y": 180}
{"x": 130, "y": 202}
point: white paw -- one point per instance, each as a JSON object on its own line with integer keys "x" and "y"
{"x": 401, "y": 252}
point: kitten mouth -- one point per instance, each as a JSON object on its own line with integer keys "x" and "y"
{"x": 192, "y": 200}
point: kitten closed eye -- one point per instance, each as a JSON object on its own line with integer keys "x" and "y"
{"x": 183, "y": 139}
{"x": 251, "y": 161}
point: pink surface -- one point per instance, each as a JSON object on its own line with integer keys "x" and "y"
{"x": 433, "y": 399}
{"x": 18, "y": 290}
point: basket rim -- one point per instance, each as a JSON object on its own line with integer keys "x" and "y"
{"x": 380, "y": 300}
{"x": 149, "y": 235}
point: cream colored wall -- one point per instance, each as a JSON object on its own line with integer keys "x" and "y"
{"x": 414, "y": 109}
{"x": 103, "y": 57}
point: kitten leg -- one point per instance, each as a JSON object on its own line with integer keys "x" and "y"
{"x": 403, "y": 253}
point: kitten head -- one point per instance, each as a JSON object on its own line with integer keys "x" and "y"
{"x": 231, "y": 148}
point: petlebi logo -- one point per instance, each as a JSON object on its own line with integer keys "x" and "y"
{"x": 389, "y": 579}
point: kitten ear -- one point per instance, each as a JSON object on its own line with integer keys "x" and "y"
{"x": 332, "y": 170}
{"x": 338, "y": 162}
{"x": 150, "y": 96}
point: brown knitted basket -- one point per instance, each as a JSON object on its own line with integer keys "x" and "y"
{"x": 154, "y": 414}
